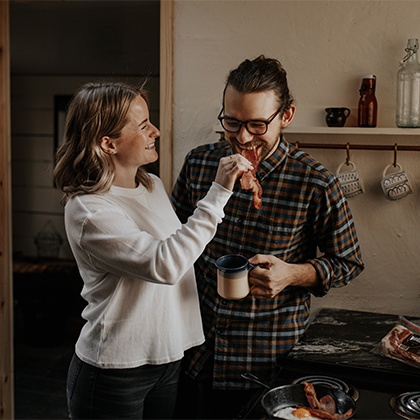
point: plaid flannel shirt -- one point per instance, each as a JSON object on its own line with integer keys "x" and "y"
{"x": 304, "y": 218}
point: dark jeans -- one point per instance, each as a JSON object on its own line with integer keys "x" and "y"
{"x": 147, "y": 391}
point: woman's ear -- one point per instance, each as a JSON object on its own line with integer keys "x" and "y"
{"x": 288, "y": 115}
{"x": 107, "y": 145}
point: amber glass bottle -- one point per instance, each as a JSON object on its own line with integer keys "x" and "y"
{"x": 368, "y": 105}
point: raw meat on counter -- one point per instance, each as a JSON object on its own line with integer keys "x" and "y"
{"x": 402, "y": 343}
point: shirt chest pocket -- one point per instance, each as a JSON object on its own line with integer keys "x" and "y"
{"x": 281, "y": 237}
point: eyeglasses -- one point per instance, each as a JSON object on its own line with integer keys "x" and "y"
{"x": 256, "y": 127}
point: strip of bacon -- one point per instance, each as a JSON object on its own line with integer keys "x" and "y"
{"x": 409, "y": 324}
{"x": 323, "y": 414}
{"x": 311, "y": 395}
{"x": 323, "y": 408}
{"x": 394, "y": 345}
{"x": 250, "y": 182}
{"x": 249, "y": 179}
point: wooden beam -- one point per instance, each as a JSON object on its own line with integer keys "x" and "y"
{"x": 166, "y": 93}
{"x": 6, "y": 285}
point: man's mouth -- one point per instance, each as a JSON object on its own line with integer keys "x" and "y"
{"x": 246, "y": 149}
{"x": 250, "y": 153}
{"x": 150, "y": 146}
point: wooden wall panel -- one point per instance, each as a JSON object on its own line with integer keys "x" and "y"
{"x": 37, "y": 91}
{"x": 36, "y": 200}
{"x": 32, "y": 121}
{"x": 27, "y": 148}
{"x": 166, "y": 93}
{"x": 6, "y": 291}
{"x": 32, "y": 174}
{"x": 28, "y": 227}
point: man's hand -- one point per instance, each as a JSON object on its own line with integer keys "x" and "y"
{"x": 272, "y": 275}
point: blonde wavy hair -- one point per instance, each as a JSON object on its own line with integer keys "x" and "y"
{"x": 96, "y": 110}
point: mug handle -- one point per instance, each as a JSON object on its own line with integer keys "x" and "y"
{"x": 346, "y": 112}
{"x": 349, "y": 163}
{"x": 388, "y": 166}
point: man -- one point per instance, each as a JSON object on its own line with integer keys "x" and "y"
{"x": 301, "y": 236}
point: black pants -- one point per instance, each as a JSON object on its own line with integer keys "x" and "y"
{"x": 147, "y": 391}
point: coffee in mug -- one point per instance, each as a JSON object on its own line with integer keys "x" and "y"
{"x": 232, "y": 276}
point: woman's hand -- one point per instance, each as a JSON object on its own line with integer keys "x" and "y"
{"x": 230, "y": 169}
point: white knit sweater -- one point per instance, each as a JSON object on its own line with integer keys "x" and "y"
{"x": 135, "y": 259}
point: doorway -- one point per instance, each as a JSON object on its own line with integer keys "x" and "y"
{"x": 55, "y": 47}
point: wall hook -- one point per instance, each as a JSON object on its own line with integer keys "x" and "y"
{"x": 348, "y": 154}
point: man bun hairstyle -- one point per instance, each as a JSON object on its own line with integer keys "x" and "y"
{"x": 259, "y": 75}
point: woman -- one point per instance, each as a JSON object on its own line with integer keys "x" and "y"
{"x": 133, "y": 254}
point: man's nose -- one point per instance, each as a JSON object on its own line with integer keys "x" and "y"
{"x": 244, "y": 136}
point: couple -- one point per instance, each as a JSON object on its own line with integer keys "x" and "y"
{"x": 154, "y": 321}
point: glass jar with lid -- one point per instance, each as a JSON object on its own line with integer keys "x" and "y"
{"x": 408, "y": 88}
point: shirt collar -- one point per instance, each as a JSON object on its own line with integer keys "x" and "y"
{"x": 275, "y": 159}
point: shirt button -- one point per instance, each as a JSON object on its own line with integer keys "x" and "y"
{"x": 239, "y": 221}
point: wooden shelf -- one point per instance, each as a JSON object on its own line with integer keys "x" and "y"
{"x": 388, "y": 131}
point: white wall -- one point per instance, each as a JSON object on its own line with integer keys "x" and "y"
{"x": 326, "y": 48}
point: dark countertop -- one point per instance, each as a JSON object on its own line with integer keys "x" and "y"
{"x": 344, "y": 344}
{"x": 27, "y": 265}
{"x": 348, "y": 342}
{"x": 47, "y": 300}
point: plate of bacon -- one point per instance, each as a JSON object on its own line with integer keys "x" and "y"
{"x": 308, "y": 401}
